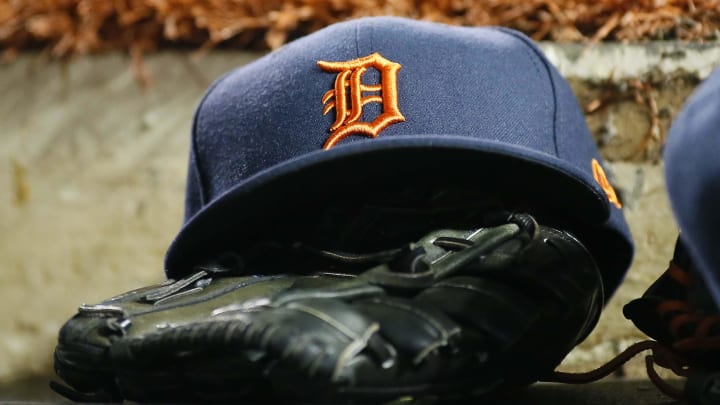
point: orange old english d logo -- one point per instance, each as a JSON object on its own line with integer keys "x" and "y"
{"x": 349, "y": 88}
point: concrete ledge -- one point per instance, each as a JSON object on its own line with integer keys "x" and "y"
{"x": 613, "y": 391}
{"x": 92, "y": 171}
{"x": 618, "y": 62}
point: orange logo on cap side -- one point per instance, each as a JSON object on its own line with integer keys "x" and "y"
{"x": 349, "y": 87}
{"x": 601, "y": 178}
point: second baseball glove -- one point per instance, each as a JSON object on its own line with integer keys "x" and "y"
{"x": 678, "y": 312}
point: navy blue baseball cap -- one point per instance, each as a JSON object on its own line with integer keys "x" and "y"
{"x": 692, "y": 172}
{"x": 383, "y": 102}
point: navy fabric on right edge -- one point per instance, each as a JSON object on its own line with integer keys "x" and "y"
{"x": 692, "y": 170}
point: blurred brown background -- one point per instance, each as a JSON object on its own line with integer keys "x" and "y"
{"x": 97, "y": 100}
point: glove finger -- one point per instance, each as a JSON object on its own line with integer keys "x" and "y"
{"x": 82, "y": 355}
{"x": 414, "y": 329}
{"x": 334, "y": 329}
{"x": 501, "y": 312}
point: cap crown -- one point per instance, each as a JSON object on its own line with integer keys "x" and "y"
{"x": 327, "y": 104}
{"x": 484, "y": 83}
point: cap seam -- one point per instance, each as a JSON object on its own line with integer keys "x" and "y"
{"x": 539, "y": 55}
{"x": 197, "y": 166}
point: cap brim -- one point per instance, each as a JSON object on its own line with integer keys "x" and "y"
{"x": 255, "y": 206}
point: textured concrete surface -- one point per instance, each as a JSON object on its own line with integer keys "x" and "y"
{"x": 92, "y": 170}
{"x": 91, "y": 181}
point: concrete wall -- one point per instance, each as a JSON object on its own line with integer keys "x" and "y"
{"x": 92, "y": 170}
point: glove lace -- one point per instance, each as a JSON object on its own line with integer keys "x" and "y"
{"x": 694, "y": 334}
{"x": 661, "y": 355}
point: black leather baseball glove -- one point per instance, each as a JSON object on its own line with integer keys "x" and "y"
{"x": 458, "y": 312}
